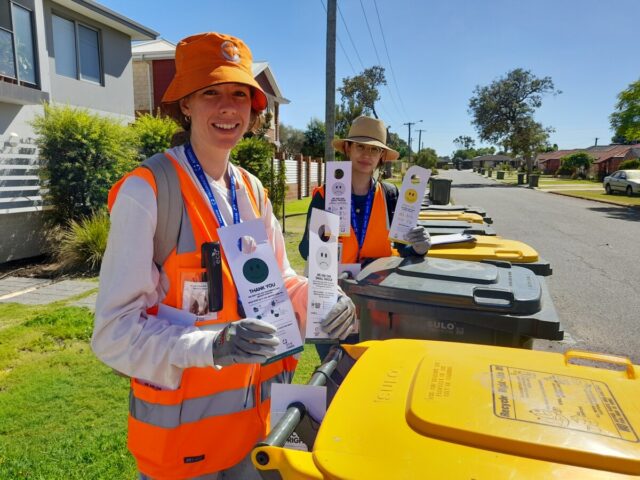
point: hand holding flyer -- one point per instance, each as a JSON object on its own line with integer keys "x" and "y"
{"x": 323, "y": 270}
{"x": 259, "y": 282}
{"x": 405, "y": 217}
{"x": 337, "y": 195}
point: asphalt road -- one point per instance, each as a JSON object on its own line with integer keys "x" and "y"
{"x": 594, "y": 250}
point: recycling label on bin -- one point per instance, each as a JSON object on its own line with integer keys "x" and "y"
{"x": 562, "y": 401}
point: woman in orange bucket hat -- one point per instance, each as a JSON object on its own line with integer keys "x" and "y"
{"x": 200, "y": 394}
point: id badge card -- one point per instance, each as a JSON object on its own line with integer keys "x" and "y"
{"x": 259, "y": 282}
{"x": 412, "y": 191}
{"x": 337, "y": 194}
{"x": 323, "y": 271}
{"x": 195, "y": 296}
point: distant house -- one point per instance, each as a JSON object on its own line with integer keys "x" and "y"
{"x": 73, "y": 52}
{"x": 491, "y": 161}
{"x": 154, "y": 67}
{"x": 607, "y": 158}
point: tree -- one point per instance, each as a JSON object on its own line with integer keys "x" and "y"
{"x": 464, "y": 142}
{"x": 626, "y": 119}
{"x": 503, "y": 112}
{"x": 427, "y": 158}
{"x": 398, "y": 144}
{"x": 361, "y": 92}
{"x": 314, "y": 137}
{"x": 291, "y": 140}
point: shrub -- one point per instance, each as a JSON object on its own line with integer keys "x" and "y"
{"x": 446, "y": 167}
{"x": 153, "y": 134}
{"x": 562, "y": 170}
{"x": 256, "y": 154}
{"x": 82, "y": 155}
{"x": 434, "y": 171}
{"x": 82, "y": 243}
{"x": 631, "y": 164}
{"x": 576, "y": 163}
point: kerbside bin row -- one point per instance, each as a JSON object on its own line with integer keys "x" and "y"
{"x": 435, "y": 410}
{"x": 454, "y": 300}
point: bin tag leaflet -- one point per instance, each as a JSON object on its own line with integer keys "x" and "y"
{"x": 259, "y": 282}
{"x": 323, "y": 270}
{"x": 337, "y": 194}
{"x": 452, "y": 238}
{"x": 412, "y": 191}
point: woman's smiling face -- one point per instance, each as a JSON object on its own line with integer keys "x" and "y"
{"x": 220, "y": 114}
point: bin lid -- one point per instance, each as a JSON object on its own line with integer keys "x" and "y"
{"x": 437, "y": 215}
{"x": 426, "y": 409}
{"x": 487, "y": 248}
{"x": 447, "y": 208}
{"x": 452, "y": 283}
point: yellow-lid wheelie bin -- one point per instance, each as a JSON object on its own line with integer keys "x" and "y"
{"x": 418, "y": 409}
{"x": 494, "y": 249}
{"x": 462, "y": 216}
{"x": 447, "y": 227}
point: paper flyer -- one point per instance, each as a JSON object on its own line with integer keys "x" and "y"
{"x": 337, "y": 194}
{"x": 323, "y": 270}
{"x": 405, "y": 217}
{"x": 259, "y": 282}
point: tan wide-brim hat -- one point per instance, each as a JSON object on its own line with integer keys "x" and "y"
{"x": 368, "y": 131}
{"x": 210, "y": 59}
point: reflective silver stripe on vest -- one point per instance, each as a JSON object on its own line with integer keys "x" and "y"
{"x": 192, "y": 410}
{"x": 265, "y": 387}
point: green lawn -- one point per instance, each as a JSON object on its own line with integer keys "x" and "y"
{"x": 593, "y": 195}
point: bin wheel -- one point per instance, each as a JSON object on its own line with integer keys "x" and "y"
{"x": 607, "y": 188}
{"x": 629, "y": 191}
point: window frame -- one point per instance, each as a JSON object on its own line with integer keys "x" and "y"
{"x": 29, "y": 7}
{"x": 76, "y": 35}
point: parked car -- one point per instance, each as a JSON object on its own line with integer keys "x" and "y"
{"x": 627, "y": 181}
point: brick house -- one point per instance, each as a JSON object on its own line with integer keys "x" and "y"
{"x": 607, "y": 158}
{"x": 154, "y": 67}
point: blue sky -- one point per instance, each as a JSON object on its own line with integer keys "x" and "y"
{"x": 439, "y": 51}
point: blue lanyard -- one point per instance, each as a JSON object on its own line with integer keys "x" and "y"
{"x": 360, "y": 233}
{"x": 202, "y": 178}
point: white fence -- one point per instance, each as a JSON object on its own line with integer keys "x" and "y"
{"x": 20, "y": 199}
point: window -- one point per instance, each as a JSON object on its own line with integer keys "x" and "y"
{"x": 77, "y": 50}
{"x": 17, "y": 46}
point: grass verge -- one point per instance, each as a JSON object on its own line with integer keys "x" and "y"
{"x": 594, "y": 195}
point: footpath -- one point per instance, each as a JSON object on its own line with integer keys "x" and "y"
{"x": 40, "y": 291}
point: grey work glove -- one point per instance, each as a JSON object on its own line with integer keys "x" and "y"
{"x": 340, "y": 319}
{"x": 419, "y": 239}
{"x": 245, "y": 341}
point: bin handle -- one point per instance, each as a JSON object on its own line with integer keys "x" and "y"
{"x": 488, "y": 297}
{"x": 601, "y": 357}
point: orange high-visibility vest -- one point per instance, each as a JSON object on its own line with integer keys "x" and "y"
{"x": 376, "y": 239}
{"x": 213, "y": 420}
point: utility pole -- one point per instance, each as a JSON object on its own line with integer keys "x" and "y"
{"x": 420, "y": 139}
{"x": 330, "y": 103}
{"x": 409, "y": 125}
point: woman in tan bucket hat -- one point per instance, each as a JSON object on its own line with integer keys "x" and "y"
{"x": 373, "y": 203}
{"x": 200, "y": 388}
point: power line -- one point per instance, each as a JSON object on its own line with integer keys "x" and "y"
{"x": 350, "y": 38}
{"x": 370, "y": 34}
{"x": 393, "y": 74}
{"x": 378, "y": 56}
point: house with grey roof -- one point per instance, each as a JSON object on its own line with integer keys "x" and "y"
{"x": 74, "y": 52}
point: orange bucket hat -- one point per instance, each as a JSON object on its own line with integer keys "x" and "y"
{"x": 209, "y": 59}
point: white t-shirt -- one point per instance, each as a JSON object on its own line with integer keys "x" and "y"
{"x": 158, "y": 348}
